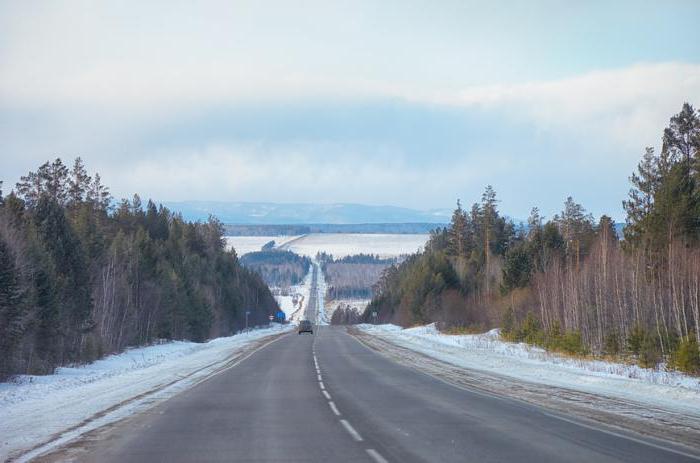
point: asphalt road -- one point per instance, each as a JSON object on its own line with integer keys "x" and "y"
{"x": 364, "y": 407}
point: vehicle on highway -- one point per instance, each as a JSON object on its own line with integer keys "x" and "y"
{"x": 306, "y": 327}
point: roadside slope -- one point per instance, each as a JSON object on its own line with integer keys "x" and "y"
{"x": 664, "y": 410}
{"x": 41, "y": 412}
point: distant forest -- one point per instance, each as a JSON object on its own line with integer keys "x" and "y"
{"x": 278, "y": 268}
{"x": 571, "y": 283}
{"x": 80, "y": 278}
{"x": 352, "y": 277}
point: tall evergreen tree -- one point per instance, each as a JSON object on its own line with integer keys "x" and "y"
{"x": 98, "y": 194}
{"x": 79, "y": 183}
{"x": 645, "y": 184}
{"x": 459, "y": 232}
{"x": 682, "y": 138}
{"x": 11, "y": 310}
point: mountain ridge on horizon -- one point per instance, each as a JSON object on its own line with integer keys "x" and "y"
{"x": 271, "y": 213}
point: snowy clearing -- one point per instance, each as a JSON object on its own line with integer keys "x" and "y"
{"x": 345, "y": 244}
{"x": 54, "y": 409}
{"x": 294, "y": 311}
{"x": 246, "y": 244}
{"x": 486, "y": 352}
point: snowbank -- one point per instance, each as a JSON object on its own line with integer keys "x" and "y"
{"x": 487, "y": 352}
{"x": 36, "y": 408}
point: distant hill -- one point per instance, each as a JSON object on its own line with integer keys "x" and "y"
{"x": 292, "y": 230}
{"x": 305, "y": 213}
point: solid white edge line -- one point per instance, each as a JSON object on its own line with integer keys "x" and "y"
{"x": 65, "y": 437}
{"x": 355, "y": 435}
{"x": 326, "y": 394}
{"x": 578, "y": 421}
{"x": 376, "y": 456}
{"x": 334, "y": 408}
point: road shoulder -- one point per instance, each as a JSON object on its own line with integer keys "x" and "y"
{"x": 652, "y": 425}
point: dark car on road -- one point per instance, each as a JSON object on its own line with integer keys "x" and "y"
{"x": 305, "y": 327}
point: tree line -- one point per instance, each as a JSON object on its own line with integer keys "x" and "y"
{"x": 277, "y": 267}
{"x": 571, "y": 283}
{"x": 352, "y": 276}
{"x": 81, "y": 277}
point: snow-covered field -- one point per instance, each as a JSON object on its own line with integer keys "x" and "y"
{"x": 486, "y": 352}
{"x": 345, "y": 244}
{"x": 246, "y": 244}
{"x": 36, "y": 409}
{"x": 338, "y": 244}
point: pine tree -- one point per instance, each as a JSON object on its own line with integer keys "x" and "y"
{"x": 98, "y": 194}
{"x": 55, "y": 178}
{"x": 489, "y": 215}
{"x": 576, "y": 228}
{"x": 534, "y": 222}
{"x": 682, "y": 137}
{"x": 30, "y": 187}
{"x": 645, "y": 184}
{"x": 79, "y": 183}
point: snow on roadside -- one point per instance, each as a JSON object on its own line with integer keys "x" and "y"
{"x": 487, "y": 352}
{"x": 322, "y": 319}
{"x": 302, "y": 291}
{"x": 35, "y": 408}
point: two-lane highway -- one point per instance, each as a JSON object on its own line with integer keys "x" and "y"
{"x": 327, "y": 397}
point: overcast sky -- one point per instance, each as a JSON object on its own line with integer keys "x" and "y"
{"x": 408, "y": 103}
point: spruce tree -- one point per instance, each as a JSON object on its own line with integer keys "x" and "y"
{"x": 458, "y": 233}
{"x": 11, "y": 310}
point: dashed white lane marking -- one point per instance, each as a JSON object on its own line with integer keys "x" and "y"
{"x": 319, "y": 377}
{"x": 334, "y": 408}
{"x": 326, "y": 394}
{"x": 323, "y": 386}
{"x": 355, "y": 435}
{"x": 376, "y": 456}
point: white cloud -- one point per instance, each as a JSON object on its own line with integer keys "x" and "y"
{"x": 314, "y": 172}
{"x": 628, "y": 106}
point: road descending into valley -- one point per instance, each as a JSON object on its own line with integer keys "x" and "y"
{"x": 328, "y": 398}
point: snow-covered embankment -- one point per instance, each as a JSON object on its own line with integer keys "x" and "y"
{"x": 47, "y": 411}
{"x": 486, "y": 352}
